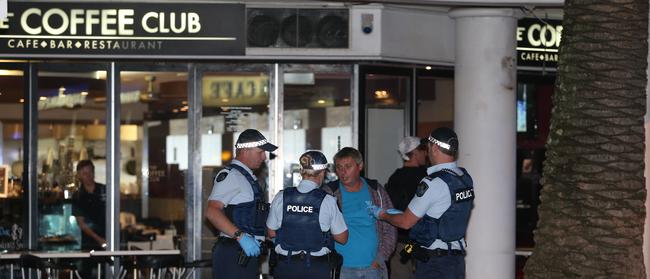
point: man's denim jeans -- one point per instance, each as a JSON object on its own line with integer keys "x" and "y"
{"x": 360, "y": 273}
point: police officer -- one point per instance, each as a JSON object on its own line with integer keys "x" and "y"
{"x": 439, "y": 213}
{"x": 303, "y": 221}
{"x": 237, "y": 208}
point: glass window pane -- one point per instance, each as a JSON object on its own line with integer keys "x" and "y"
{"x": 317, "y": 115}
{"x": 153, "y": 148}
{"x": 232, "y": 102}
{"x": 11, "y": 156}
{"x": 384, "y": 90}
{"x": 435, "y": 104}
{"x": 71, "y": 127}
{"x": 386, "y": 93}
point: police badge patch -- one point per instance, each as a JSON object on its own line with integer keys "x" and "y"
{"x": 222, "y": 176}
{"x": 422, "y": 188}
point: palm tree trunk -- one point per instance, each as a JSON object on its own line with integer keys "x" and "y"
{"x": 592, "y": 208}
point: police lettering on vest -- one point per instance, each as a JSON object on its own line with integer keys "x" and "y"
{"x": 300, "y": 229}
{"x": 300, "y": 208}
{"x": 464, "y": 195}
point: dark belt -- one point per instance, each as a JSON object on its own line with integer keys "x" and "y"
{"x": 443, "y": 252}
{"x": 303, "y": 257}
{"x": 222, "y": 240}
{"x": 226, "y": 240}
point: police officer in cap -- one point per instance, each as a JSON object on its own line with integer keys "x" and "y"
{"x": 237, "y": 208}
{"x": 304, "y": 220}
{"x": 439, "y": 213}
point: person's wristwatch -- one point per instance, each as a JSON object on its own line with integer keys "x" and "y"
{"x": 237, "y": 234}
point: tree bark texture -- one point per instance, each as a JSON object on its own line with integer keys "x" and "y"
{"x": 592, "y": 202}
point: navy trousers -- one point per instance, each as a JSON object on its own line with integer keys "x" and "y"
{"x": 298, "y": 269}
{"x": 442, "y": 267}
{"x": 224, "y": 262}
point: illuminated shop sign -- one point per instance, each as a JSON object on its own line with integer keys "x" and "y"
{"x": 115, "y": 29}
{"x": 538, "y": 42}
{"x": 235, "y": 90}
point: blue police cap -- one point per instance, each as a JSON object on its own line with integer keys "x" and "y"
{"x": 445, "y": 138}
{"x": 313, "y": 160}
{"x": 251, "y": 138}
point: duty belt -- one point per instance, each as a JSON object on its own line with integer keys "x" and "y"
{"x": 222, "y": 240}
{"x": 423, "y": 254}
{"x": 444, "y": 252}
{"x": 302, "y": 257}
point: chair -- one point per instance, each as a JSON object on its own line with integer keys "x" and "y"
{"x": 191, "y": 266}
{"x": 42, "y": 266}
{"x": 7, "y": 267}
{"x": 66, "y": 265}
{"x": 157, "y": 266}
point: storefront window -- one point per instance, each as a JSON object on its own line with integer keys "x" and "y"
{"x": 11, "y": 159}
{"x": 435, "y": 103}
{"x": 317, "y": 114}
{"x": 153, "y": 161}
{"x": 233, "y": 101}
{"x": 71, "y": 127}
{"x": 387, "y": 93}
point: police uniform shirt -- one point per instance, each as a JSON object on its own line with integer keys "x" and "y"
{"x": 435, "y": 200}
{"x": 231, "y": 187}
{"x": 329, "y": 217}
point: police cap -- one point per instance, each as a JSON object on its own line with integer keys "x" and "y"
{"x": 313, "y": 160}
{"x": 446, "y": 139}
{"x": 251, "y": 138}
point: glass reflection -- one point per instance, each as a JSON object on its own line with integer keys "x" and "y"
{"x": 153, "y": 148}
{"x": 71, "y": 127}
{"x": 233, "y": 101}
{"x": 317, "y": 115}
{"x": 11, "y": 160}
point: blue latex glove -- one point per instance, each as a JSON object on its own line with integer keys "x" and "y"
{"x": 393, "y": 211}
{"x": 250, "y": 246}
{"x": 373, "y": 209}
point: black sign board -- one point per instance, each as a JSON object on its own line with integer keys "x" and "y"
{"x": 117, "y": 29}
{"x": 538, "y": 42}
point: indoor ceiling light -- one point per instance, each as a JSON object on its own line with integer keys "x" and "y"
{"x": 11, "y": 73}
{"x": 381, "y": 94}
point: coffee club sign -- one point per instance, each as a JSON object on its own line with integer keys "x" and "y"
{"x": 538, "y": 42}
{"x": 116, "y": 29}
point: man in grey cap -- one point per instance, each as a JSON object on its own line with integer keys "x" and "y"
{"x": 304, "y": 220}
{"x": 439, "y": 213}
{"x": 238, "y": 209}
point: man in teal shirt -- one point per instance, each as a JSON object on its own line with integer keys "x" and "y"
{"x": 370, "y": 242}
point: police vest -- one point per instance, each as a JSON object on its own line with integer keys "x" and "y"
{"x": 250, "y": 217}
{"x": 452, "y": 224}
{"x": 300, "y": 229}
